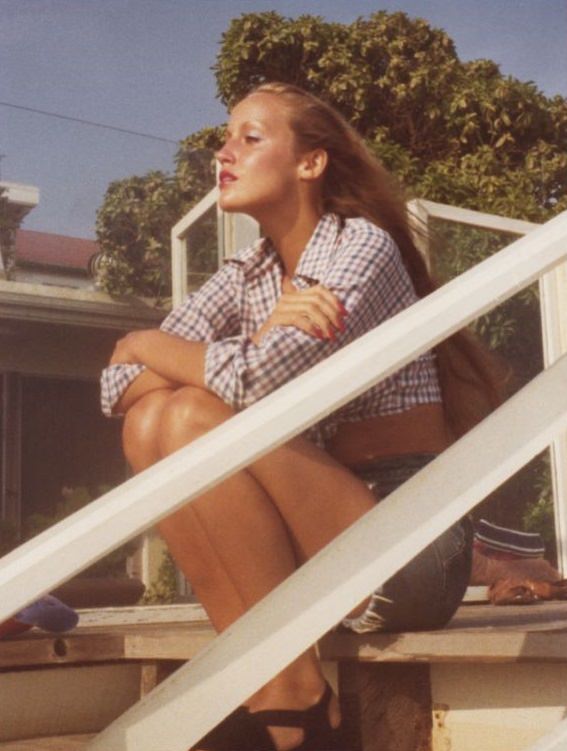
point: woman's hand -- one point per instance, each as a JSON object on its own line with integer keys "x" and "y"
{"x": 127, "y": 350}
{"x": 316, "y": 310}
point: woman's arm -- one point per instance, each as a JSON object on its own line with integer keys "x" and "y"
{"x": 206, "y": 315}
{"x": 168, "y": 356}
{"x": 316, "y": 311}
{"x": 367, "y": 278}
{"x": 171, "y": 361}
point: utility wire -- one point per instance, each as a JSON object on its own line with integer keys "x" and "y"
{"x": 87, "y": 122}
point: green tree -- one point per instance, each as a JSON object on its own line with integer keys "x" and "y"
{"x": 133, "y": 228}
{"x": 135, "y": 220}
{"x": 456, "y": 132}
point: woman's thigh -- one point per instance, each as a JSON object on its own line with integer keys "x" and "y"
{"x": 316, "y": 497}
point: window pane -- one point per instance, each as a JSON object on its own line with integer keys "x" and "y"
{"x": 202, "y": 249}
{"x": 513, "y": 331}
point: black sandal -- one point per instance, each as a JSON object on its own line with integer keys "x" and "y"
{"x": 247, "y": 731}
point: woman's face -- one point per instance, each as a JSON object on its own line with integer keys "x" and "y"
{"x": 258, "y": 162}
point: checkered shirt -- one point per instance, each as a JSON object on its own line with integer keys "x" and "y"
{"x": 355, "y": 259}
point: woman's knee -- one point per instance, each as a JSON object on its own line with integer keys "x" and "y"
{"x": 140, "y": 432}
{"x": 188, "y": 414}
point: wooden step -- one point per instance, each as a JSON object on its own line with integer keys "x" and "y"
{"x": 59, "y": 743}
{"x": 495, "y": 678}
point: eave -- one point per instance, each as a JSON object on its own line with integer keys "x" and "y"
{"x": 23, "y": 301}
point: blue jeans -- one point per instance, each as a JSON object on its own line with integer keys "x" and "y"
{"x": 426, "y": 592}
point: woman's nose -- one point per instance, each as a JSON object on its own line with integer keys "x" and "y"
{"x": 224, "y": 155}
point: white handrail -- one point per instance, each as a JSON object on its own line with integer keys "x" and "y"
{"x": 471, "y": 217}
{"x": 124, "y": 512}
{"x": 268, "y": 637}
{"x": 207, "y": 202}
{"x": 71, "y": 545}
{"x": 178, "y": 249}
{"x": 349, "y": 566}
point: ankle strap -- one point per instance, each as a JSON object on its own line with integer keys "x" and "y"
{"x": 300, "y": 718}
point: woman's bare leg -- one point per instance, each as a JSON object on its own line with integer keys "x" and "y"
{"x": 231, "y": 543}
{"x": 231, "y": 567}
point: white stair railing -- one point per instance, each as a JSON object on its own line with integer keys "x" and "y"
{"x": 69, "y": 546}
{"x": 179, "y": 711}
{"x": 277, "y": 630}
{"x": 553, "y": 309}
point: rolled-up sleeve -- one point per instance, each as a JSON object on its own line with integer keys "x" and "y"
{"x": 208, "y": 314}
{"x": 367, "y": 276}
{"x": 114, "y": 381}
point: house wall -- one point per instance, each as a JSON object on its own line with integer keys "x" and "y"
{"x": 52, "y": 433}
{"x": 496, "y": 707}
{"x": 35, "y": 348}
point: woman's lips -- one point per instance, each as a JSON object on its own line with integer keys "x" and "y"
{"x": 225, "y": 178}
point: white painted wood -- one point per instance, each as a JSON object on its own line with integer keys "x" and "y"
{"x": 87, "y": 535}
{"x": 179, "y": 246}
{"x": 146, "y": 614}
{"x": 495, "y": 707}
{"x": 67, "y": 700}
{"x": 553, "y": 301}
{"x": 41, "y": 302}
{"x": 311, "y": 601}
{"x": 476, "y": 594}
{"x": 206, "y": 203}
{"x": 555, "y": 740}
{"x": 510, "y": 437}
{"x": 26, "y": 196}
{"x": 178, "y": 269}
{"x": 475, "y": 218}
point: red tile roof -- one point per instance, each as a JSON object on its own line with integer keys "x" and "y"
{"x": 45, "y": 249}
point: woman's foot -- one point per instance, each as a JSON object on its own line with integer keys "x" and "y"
{"x": 302, "y": 703}
{"x": 315, "y": 727}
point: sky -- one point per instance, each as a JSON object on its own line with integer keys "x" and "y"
{"x": 145, "y": 66}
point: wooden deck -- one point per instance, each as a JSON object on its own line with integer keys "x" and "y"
{"x": 58, "y": 743}
{"x": 515, "y": 633}
{"x": 129, "y": 651}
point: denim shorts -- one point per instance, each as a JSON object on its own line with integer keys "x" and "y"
{"x": 426, "y": 592}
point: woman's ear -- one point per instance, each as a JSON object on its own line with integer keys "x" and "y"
{"x": 313, "y": 164}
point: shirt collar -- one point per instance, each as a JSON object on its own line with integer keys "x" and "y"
{"x": 320, "y": 249}
{"x": 313, "y": 262}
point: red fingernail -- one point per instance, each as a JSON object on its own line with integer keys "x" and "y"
{"x": 344, "y": 311}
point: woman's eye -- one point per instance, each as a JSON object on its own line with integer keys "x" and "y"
{"x": 251, "y": 139}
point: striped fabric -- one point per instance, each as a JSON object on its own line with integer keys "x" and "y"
{"x": 509, "y": 541}
{"x": 355, "y": 259}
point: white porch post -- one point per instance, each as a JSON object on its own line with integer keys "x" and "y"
{"x": 553, "y": 295}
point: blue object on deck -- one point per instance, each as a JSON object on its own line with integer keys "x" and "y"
{"x": 49, "y": 614}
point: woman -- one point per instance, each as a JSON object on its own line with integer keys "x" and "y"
{"x": 337, "y": 260}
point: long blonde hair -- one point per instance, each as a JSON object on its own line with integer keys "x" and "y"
{"x": 355, "y": 184}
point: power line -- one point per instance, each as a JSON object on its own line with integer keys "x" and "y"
{"x": 87, "y": 122}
